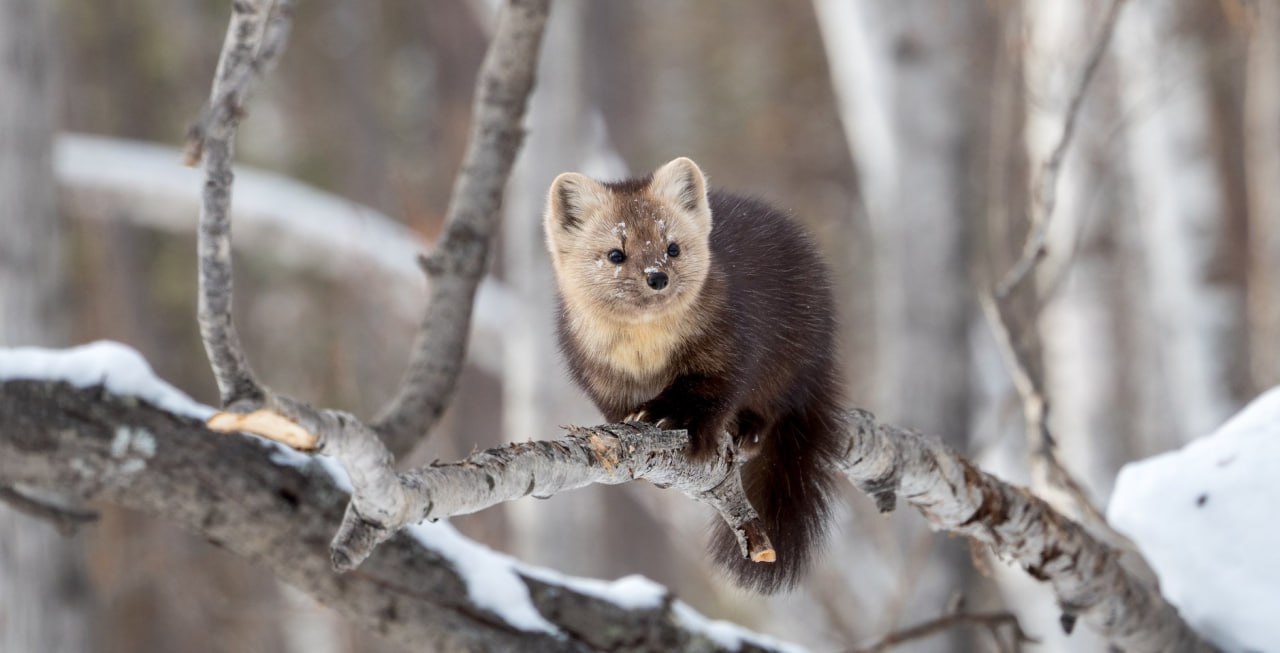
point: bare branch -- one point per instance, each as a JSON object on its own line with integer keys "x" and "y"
{"x": 383, "y": 502}
{"x": 460, "y": 258}
{"x": 882, "y": 460}
{"x": 955, "y": 496}
{"x": 1033, "y": 250}
{"x": 255, "y": 37}
{"x": 59, "y": 439}
{"x": 992, "y": 621}
{"x": 1048, "y": 471}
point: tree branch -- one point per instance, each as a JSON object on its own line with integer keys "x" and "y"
{"x": 255, "y": 37}
{"x": 957, "y": 497}
{"x": 461, "y": 257}
{"x": 992, "y": 621}
{"x": 36, "y": 418}
{"x": 1048, "y": 470}
{"x": 254, "y": 500}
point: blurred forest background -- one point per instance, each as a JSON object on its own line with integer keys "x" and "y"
{"x": 909, "y": 135}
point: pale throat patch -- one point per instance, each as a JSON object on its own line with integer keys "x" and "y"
{"x": 640, "y": 349}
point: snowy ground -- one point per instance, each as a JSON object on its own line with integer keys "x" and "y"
{"x": 1205, "y": 517}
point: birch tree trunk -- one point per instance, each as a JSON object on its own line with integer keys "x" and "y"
{"x": 1175, "y": 159}
{"x": 904, "y": 80}
{"x": 1263, "y": 163}
{"x": 43, "y": 593}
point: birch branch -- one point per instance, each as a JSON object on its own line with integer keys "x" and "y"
{"x": 384, "y": 502}
{"x": 884, "y": 461}
{"x": 955, "y": 496}
{"x": 93, "y": 444}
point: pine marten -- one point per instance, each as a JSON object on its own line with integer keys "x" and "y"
{"x": 709, "y": 312}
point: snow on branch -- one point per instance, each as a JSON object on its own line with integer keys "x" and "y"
{"x": 48, "y": 431}
{"x": 87, "y": 423}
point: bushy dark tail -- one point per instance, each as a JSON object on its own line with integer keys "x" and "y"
{"x": 790, "y": 483}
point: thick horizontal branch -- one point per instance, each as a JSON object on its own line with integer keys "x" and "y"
{"x": 383, "y": 502}
{"x": 883, "y": 460}
{"x": 247, "y": 497}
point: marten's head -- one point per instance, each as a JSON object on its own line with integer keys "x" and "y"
{"x": 634, "y": 249}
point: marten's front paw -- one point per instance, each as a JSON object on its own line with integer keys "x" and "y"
{"x": 704, "y": 431}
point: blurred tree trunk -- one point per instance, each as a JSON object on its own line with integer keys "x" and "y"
{"x": 1263, "y": 163}
{"x": 1077, "y": 332}
{"x": 908, "y": 83}
{"x": 537, "y": 396}
{"x": 44, "y": 597}
{"x": 1079, "y": 278}
{"x": 1192, "y": 232}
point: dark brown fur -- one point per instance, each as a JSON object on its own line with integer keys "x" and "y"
{"x": 755, "y": 356}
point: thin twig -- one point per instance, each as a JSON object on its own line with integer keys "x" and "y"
{"x": 996, "y": 304}
{"x": 460, "y": 257}
{"x": 1033, "y": 250}
{"x": 1035, "y": 411}
{"x": 992, "y": 621}
{"x": 67, "y": 520}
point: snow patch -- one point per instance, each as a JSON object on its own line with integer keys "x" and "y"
{"x": 633, "y": 592}
{"x": 1202, "y": 517}
{"x": 492, "y": 582}
{"x": 116, "y": 367}
{"x": 493, "y": 579}
{"x": 726, "y": 634}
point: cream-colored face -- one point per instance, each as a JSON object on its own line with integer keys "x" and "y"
{"x": 630, "y": 251}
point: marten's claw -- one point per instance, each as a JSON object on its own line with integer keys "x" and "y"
{"x": 638, "y": 416}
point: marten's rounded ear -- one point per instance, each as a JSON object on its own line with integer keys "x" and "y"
{"x": 681, "y": 182}
{"x": 567, "y": 203}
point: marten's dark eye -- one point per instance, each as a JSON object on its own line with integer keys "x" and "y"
{"x": 673, "y": 250}
{"x": 616, "y": 256}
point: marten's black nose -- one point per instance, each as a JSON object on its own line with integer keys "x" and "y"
{"x": 657, "y": 280}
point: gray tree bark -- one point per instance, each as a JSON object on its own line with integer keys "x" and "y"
{"x": 44, "y": 602}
